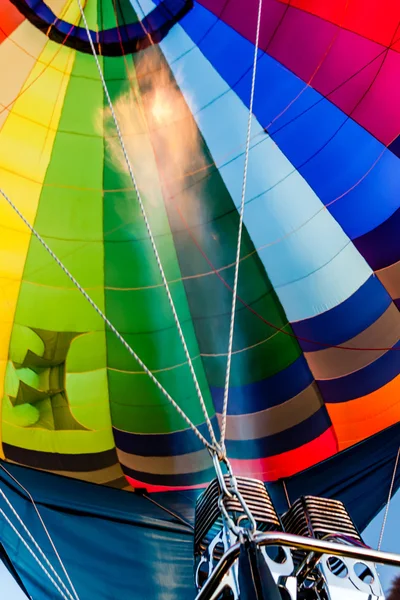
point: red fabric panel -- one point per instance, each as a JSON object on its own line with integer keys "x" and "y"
{"x": 10, "y": 18}
{"x": 374, "y": 20}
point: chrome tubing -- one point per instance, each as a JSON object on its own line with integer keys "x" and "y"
{"x": 295, "y": 541}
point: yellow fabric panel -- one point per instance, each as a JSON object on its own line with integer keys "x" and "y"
{"x": 18, "y": 55}
{"x": 67, "y": 10}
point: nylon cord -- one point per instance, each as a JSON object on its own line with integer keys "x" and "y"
{"x": 109, "y": 324}
{"x": 3, "y": 495}
{"x": 3, "y": 514}
{"x": 239, "y": 241}
{"x": 44, "y": 527}
{"x": 389, "y": 499}
{"x": 169, "y": 511}
{"x": 153, "y": 244}
{"x": 286, "y": 493}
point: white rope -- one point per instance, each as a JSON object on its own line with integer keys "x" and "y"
{"x": 33, "y": 554}
{"x": 388, "y": 500}
{"x": 239, "y": 241}
{"x": 143, "y": 211}
{"x": 44, "y": 527}
{"x": 108, "y": 323}
{"x": 37, "y": 545}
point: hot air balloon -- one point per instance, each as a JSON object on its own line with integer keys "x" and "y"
{"x": 136, "y": 140}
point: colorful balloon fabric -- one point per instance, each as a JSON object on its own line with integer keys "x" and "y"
{"x": 315, "y": 365}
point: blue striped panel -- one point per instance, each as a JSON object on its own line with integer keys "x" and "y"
{"x": 324, "y": 130}
{"x": 395, "y": 146}
{"x": 345, "y": 321}
{"x": 381, "y": 247}
{"x": 317, "y": 268}
{"x": 132, "y": 37}
{"x": 183, "y": 479}
{"x": 163, "y": 444}
{"x": 184, "y": 442}
{"x": 364, "y": 381}
{"x": 291, "y": 438}
{"x": 260, "y": 395}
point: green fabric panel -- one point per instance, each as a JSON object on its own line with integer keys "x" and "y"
{"x": 70, "y": 209}
{"x": 142, "y": 313}
{"x": 91, "y": 15}
{"x": 88, "y": 398}
{"x": 24, "y": 415}
{"x": 212, "y": 311}
{"x": 23, "y": 340}
{"x": 197, "y": 219}
{"x": 140, "y": 408}
{"x": 125, "y": 12}
{"x": 158, "y": 350}
{"x": 58, "y": 309}
{"x": 32, "y": 378}
{"x": 54, "y": 410}
{"x": 11, "y": 380}
{"x": 107, "y": 10}
{"x": 79, "y": 257}
{"x": 106, "y": 14}
{"x": 254, "y": 364}
{"x": 145, "y": 310}
{"x": 135, "y": 254}
{"x": 87, "y": 353}
{"x": 76, "y": 209}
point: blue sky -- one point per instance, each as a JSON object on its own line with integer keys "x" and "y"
{"x": 9, "y": 589}
{"x": 391, "y": 543}
{"x": 391, "y": 538}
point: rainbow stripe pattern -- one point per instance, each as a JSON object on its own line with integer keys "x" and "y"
{"x": 316, "y": 362}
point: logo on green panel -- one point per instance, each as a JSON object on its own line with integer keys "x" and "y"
{"x": 35, "y": 379}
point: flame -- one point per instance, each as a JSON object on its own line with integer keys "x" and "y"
{"x": 159, "y": 132}
{"x": 161, "y": 109}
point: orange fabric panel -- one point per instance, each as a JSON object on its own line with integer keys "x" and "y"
{"x": 10, "y": 18}
{"x": 358, "y": 419}
{"x": 369, "y": 18}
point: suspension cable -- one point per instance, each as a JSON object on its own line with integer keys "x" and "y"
{"x": 9, "y": 504}
{"x": 239, "y": 240}
{"x": 385, "y": 516}
{"x": 3, "y": 514}
{"x": 44, "y": 527}
{"x": 109, "y": 324}
{"x": 147, "y": 223}
{"x": 286, "y": 494}
{"x": 169, "y": 511}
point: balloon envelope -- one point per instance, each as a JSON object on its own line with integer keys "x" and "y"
{"x": 315, "y": 362}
